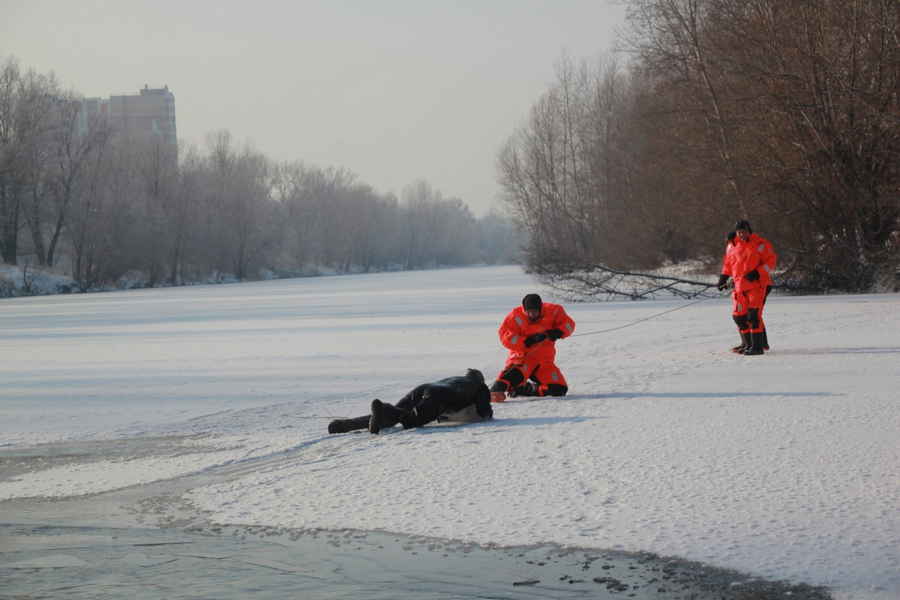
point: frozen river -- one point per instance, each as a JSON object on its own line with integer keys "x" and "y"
{"x": 203, "y": 409}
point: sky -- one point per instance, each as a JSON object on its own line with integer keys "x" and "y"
{"x": 783, "y": 466}
{"x": 394, "y": 90}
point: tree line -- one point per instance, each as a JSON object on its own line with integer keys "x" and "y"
{"x": 79, "y": 197}
{"x": 783, "y": 113}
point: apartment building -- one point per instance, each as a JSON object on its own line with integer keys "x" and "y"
{"x": 145, "y": 117}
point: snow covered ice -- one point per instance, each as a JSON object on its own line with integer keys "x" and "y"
{"x": 785, "y": 465}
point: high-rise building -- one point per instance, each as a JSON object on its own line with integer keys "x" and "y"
{"x": 149, "y": 115}
{"x": 93, "y": 110}
{"x": 146, "y": 117}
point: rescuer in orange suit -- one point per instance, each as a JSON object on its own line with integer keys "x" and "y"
{"x": 746, "y": 266}
{"x": 744, "y": 235}
{"x": 530, "y": 333}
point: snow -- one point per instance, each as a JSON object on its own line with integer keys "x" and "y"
{"x": 27, "y": 280}
{"x": 786, "y": 466}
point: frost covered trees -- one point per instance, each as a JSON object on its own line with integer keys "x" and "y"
{"x": 787, "y": 114}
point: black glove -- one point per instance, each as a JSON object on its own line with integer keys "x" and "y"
{"x": 752, "y": 275}
{"x": 554, "y": 334}
{"x": 723, "y": 282}
{"x": 531, "y": 340}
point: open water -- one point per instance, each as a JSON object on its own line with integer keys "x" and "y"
{"x": 91, "y": 547}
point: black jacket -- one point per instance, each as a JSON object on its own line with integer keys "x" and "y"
{"x": 452, "y": 394}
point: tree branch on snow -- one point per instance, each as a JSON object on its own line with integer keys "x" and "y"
{"x": 592, "y": 282}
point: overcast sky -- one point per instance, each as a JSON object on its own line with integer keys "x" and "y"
{"x": 394, "y": 90}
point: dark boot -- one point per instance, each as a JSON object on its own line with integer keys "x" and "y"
{"x": 556, "y": 389}
{"x": 529, "y": 388}
{"x": 384, "y": 415}
{"x": 743, "y": 327}
{"x": 345, "y": 425}
{"x": 765, "y": 341}
{"x": 756, "y": 345}
{"x": 745, "y": 336}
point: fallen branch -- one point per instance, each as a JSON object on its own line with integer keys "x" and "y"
{"x": 599, "y": 281}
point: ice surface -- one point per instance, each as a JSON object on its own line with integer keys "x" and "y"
{"x": 784, "y": 465}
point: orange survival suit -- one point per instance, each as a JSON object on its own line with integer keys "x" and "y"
{"x": 530, "y": 368}
{"x": 750, "y": 263}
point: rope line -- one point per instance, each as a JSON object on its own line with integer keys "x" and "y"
{"x": 641, "y": 320}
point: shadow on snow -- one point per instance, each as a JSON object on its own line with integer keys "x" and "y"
{"x": 861, "y": 350}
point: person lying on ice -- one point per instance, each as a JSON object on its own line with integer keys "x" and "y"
{"x": 530, "y": 332}
{"x": 464, "y": 399}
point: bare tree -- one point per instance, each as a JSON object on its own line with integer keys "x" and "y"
{"x": 92, "y": 219}
{"x": 70, "y": 155}
{"x": 673, "y": 37}
{"x": 182, "y": 215}
{"x": 564, "y": 174}
{"x": 26, "y": 101}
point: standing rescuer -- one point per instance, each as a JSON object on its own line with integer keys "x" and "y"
{"x": 530, "y": 333}
{"x": 750, "y": 263}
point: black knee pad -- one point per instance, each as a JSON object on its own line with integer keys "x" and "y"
{"x": 753, "y": 318}
{"x": 741, "y": 321}
{"x": 555, "y": 389}
{"x": 509, "y": 379}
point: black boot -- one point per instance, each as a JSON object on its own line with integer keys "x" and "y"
{"x": 345, "y": 425}
{"x": 384, "y": 415}
{"x": 765, "y": 340}
{"x": 377, "y": 415}
{"x": 529, "y": 388}
{"x": 756, "y": 345}
{"x": 745, "y": 336}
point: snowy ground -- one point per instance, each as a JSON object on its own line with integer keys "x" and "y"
{"x": 783, "y": 465}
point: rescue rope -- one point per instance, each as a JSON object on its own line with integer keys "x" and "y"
{"x": 641, "y": 320}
